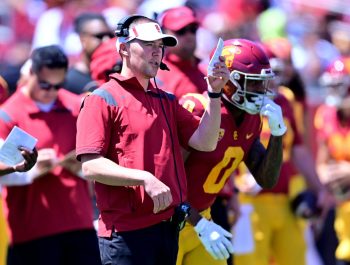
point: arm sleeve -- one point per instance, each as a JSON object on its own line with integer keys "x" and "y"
{"x": 93, "y": 127}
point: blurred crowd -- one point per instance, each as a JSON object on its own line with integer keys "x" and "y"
{"x": 310, "y": 40}
{"x": 318, "y": 33}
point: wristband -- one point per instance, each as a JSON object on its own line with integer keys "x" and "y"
{"x": 214, "y": 94}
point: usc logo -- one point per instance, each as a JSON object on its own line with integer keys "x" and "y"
{"x": 229, "y": 53}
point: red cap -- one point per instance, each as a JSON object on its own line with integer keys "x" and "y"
{"x": 103, "y": 59}
{"x": 177, "y": 18}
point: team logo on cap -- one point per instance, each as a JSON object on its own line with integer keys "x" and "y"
{"x": 135, "y": 32}
{"x": 157, "y": 28}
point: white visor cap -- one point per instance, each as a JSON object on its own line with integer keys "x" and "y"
{"x": 147, "y": 32}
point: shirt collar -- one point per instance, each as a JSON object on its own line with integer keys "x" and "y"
{"x": 130, "y": 82}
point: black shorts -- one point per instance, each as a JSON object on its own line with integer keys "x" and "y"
{"x": 154, "y": 245}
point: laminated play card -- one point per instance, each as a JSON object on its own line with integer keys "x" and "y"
{"x": 9, "y": 152}
{"x": 215, "y": 58}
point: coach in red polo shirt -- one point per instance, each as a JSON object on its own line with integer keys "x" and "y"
{"x": 129, "y": 135}
{"x": 49, "y": 210}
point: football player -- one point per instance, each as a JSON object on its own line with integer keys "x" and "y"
{"x": 332, "y": 122}
{"x": 244, "y": 99}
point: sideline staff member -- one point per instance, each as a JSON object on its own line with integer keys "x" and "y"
{"x": 132, "y": 150}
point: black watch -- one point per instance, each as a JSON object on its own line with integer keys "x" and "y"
{"x": 214, "y": 94}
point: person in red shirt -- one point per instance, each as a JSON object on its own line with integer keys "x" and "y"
{"x": 244, "y": 98}
{"x": 93, "y": 30}
{"x": 185, "y": 75}
{"x": 48, "y": 209}
{"x": 28, "y": 163}
{"x": 105, "y": 61}
{"x": 132, "y": 151}
{"x": 30, "y": 158}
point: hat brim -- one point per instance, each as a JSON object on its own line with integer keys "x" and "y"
{"x": 168, "y": 40}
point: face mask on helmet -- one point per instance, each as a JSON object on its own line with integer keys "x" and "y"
{"x": 250, "y": 75}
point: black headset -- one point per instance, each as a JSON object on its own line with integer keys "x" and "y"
{"x": 123, "y": 31}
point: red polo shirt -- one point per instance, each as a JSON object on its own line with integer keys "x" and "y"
{"x": 127, "y": 125}
{"x": 58, "y": 202}
{"x": 183, "y": 77}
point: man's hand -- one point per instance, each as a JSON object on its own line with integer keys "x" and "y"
{"x": 47, "y": 159}
{"x": 214, "y": 239}
{"x": 220, "y": 76}
{"x": 159, "y": 193}
{"x": 30, "y": 158}
{"x": 274, "y": 115}
{"x": 70, "y": 163}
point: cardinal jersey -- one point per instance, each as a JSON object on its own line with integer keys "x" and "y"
{"x": 207, "y": 172}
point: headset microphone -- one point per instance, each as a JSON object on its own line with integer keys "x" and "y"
{"x": 163, "y": 66}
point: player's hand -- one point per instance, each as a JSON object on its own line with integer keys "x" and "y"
{"x": 30, "y": 158}
{"x": 274, "y": 115}
{"x": 47, "y": 159}
{"x": 220, "y": 76}
{"x": 214, "y": 238}
{"x": 159, "y": 193}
